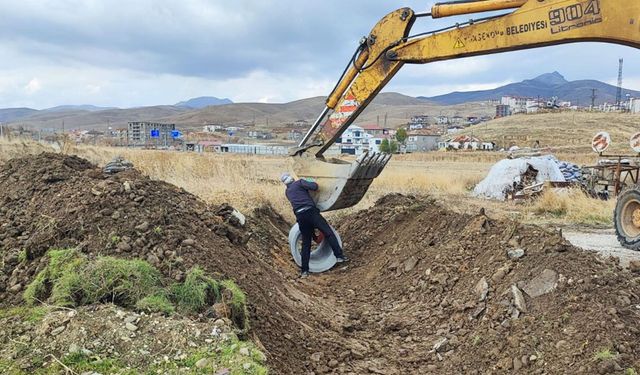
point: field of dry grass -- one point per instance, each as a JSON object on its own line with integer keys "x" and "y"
{"x": 249, "y": 181}
{"x": 565, "y": 132}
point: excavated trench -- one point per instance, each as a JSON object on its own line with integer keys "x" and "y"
{"x": 428, "y": 290}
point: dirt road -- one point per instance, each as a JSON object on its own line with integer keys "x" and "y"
{"x": 602, "y": 241}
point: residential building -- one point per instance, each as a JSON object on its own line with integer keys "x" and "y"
{"x": 503, "y": 110}
{"x": 423, "y": 140}
{"x": 301, "y": 124}
{"x": 252, "y": 149}
{"x": 212, "y": 128}
{"x": 457, "y": 120}
{"x": 442, "y": 120}
{"x": 634, "y": 105}
{"x": 373, "y": 129}
{"x": 259, "y": 134}
{"x": 520, "y": 104}
{"x": 466, "y": 142}
{"x": 418, "y": 122}
{"x": 376, "y": 141}
{"x": 294, "y": 135}
{"x": 420, "y": 119}
{"x": 139, "y": 133}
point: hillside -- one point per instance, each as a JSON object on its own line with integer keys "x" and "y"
{"x": 203, "y": 101}
{"x": 397, "y": 108}
{"x": 544, "y": 86}
{"x": 12, "y": 114}
{"x": 572, "y": 131}
{"x": 98, "y": 119}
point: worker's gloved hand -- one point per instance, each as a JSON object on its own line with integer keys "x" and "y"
{"x": 309, "y": 179}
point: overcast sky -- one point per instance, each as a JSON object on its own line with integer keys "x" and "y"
{"x": 147, "y": 52}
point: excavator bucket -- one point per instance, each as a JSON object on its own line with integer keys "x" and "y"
{"x": 342, "y": 184}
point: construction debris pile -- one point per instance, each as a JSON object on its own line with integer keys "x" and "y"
{"x": 428, "y": 291}
{"x": 513, "y": 177}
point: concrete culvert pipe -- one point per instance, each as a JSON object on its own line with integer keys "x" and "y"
{"x": 322, "y": 258}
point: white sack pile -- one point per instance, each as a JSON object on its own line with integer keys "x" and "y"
{"x": 503, "y": 174}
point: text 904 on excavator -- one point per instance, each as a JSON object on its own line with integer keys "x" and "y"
{"x": 524, "y": 24}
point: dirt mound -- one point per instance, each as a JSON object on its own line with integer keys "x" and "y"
{"x": 440, "y": 292}
{"x": 428, "y": 291}
{"x": 55, "y": 201}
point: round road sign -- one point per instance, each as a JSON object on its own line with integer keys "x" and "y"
{"x": 634, "y": 142}
{"x": 601, "y": 142}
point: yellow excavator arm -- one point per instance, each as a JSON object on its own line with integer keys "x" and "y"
{"x": 532, "y": 23}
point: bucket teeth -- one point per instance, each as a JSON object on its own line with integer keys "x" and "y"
{"x": 370, "y": 165}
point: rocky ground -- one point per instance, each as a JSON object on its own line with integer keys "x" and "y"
{"x": 428, "y": 291}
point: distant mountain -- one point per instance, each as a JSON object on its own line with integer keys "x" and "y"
{"x": 203, "y": 101}
{"x": 389, "y": 108}
{"x": 84, "y": 107}
{"x": 13, "y": 114}
{"x": 544, "y": 86}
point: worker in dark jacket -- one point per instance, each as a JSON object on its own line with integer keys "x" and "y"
{"x": 309, "y": 218}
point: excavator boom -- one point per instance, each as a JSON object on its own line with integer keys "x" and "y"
{"x": 533, "y": 23}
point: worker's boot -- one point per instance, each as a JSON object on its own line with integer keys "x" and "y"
{"x": 342, "y": 259}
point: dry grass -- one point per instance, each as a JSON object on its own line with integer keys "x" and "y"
{"x": 248, "y": 181}
{"x": 10, "y": 148}
{"x": 567, "y": 132}
{"x": 573, "y": 206}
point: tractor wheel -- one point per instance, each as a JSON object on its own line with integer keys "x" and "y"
{"x": 626, "y": 218}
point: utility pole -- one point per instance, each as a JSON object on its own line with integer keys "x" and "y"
{"x": 619, "y": 91}
{"x": 593, "y": 98}
{"x": 1, "y": 130}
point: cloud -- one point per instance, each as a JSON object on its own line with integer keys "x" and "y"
{"x": 33, "y": 86}
{"x": 143, "y": 52}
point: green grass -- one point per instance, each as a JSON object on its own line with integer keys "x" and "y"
{"x": 196, "y": 292}
{"x": 157, "y": 303}
{"x": 22, "y": 256}
{"x": 605, "y": 354}
{"x": 59, "y": 281}
{"x": 239, "y": 313}
{"x": 120, "y": 281}
{"x": 25, "y": 313}
{"x": 71, "y": 279}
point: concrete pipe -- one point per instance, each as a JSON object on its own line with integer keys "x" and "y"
{"x": 322, "y": 258}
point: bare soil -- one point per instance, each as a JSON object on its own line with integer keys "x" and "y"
{"x": 412, "y": 301}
